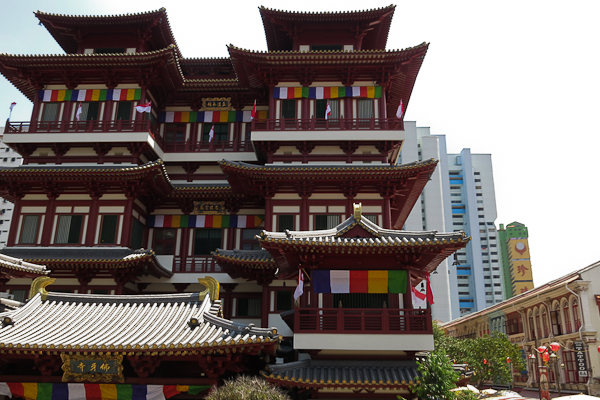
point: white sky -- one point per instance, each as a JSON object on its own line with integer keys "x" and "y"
{"x": 517, "y": 79}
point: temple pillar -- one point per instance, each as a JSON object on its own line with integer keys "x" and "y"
{"x": 407, "y": 295}
{"x": 304, "y": 214}
{"x": 49, "y": 220}
{"x": 127, "y": 217}
{"x": 387, "y": 213}
{"x": 265, "y": 305}
{"x": 90, "y": 235}
{"x": 14, "y": 223}
{"x": 37, "y": 104}
{"x": 268, "y": 213}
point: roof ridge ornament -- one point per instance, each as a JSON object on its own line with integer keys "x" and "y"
{"x": 212, "y": 288}
{"x": 357, "y": 211}
{"x": 39, "y": 286}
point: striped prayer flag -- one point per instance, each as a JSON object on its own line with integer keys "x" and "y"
{"x": 378, "y": 281}
{"x": 204, "y": 221}
{"x": 95, "y": 391}
{"x": 351, "y": 281}
{"x": 359, "y": 281}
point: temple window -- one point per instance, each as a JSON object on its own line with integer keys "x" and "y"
{"x": 360, "y": 300}
{"x": 108, "y": 232}
{"x": 371, "y": 217}
{"x": 221, "y": 132}
{"x": 19, "y": 294}
{"x": 165, "y": 241}
{"x": 89, "y": 111}
{"x": 124, "y": 110}
{"x": 288, "y": 109}
{"x": 326, "y": 221}
{"x": 69, "y": 229}
{"x": 29, "y": 230}
{"x": 284, "y": 222}
{"x": 137, "y": 234}
{"x": 206, "y": 240}
{"x": 50, "y": 111}
{"x": 365, "y": 108}
{"x": 321, "y": 106}
{"x": 284, "y": 300}
{"x": 248, "y": 307}
{"x": 175, "y": 132}
{"x": 249, "y": 241}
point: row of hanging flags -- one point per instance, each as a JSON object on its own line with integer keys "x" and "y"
{"x": 370, "y": 281}
{"x": 204, "y": 221}
{"x": 91, "y": 95}
{"x": 94, "y": 391}
{"x": 334, "y": 92}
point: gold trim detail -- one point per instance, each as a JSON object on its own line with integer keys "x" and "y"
{"x": 357, "y": 211}
{"x": 39, "y": 286}
{"x": 69, "y": 375}
{"x": 212, "y": 288}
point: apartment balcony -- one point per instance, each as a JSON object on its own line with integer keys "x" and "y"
{"x": 313, "y": 129}
{"x": 362, "y": 328}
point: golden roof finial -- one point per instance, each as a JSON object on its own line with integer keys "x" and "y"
{"x": 39, "y": 286}
{"x": 357, "y": 211}
{"x": 212, "y": 288}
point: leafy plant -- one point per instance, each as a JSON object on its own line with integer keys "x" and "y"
{"x": 437, "y": 377}
{"x": 247, "y": 388}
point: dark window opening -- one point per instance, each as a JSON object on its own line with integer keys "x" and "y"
{"x": 288, "y": 109}
{"x": 69, "y": 229}
{"x": 326, "y": 221}
{"x": 165, "y": 241}
{"x": 108, "y": 232}
{"x": 206, "y": 240}
{"x": 175, "y": 132}
{"x": 50, "y": 112}
{"x": 285, "y": 222}
{"x": 30, "y": 229}
{"x": 89, "y": 111}
{"x": 137, "y": 235}
{"x": 109, "y": 50}
{"x": 361, "y": 300}
{"x": 221, "y": 132}
{"x": 124, "y": 110}
{"x": 284, "y": 300}
{"x": 249, "y": 241}
{"x": 248, "y": 307}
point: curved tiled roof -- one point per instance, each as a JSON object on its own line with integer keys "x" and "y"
{"x": 57, "y": 24}
{"x": 82, "y": 257}
{"x": 76, "y": 322}
{"x": 343, "y": 374}
{"x": 378, "y": 20}
{"x": 249, "y": 258}
{"x": 16, "y": 267}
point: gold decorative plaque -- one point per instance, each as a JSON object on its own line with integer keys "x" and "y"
{"x": 105, "y": 368}
{"x": 209, "y": 207}
{"x": 216, "y": 103}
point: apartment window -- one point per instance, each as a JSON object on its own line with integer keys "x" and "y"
{"x": 108, "y": 232}
{"x": 29, "y": 229}
{"x": 496, "y": 284}
{"x": 463, "y": 285}
{"x": 89, "y": 111}
{"x": 165, "y": 240}
{"x": 477, "y": 180}
{"x": 288, "y": 109}
{"x": 284, "y": 300}
{"x": 206, "y": 240}
{"x": 221, "y": 132}
{"x": 455, "y": 187}
{"x": 248, "y": 307}
{"x": 321, "y": 106}
{"x": 479, "y": 194}
{"x": 69, "y": 229}
{"x": 50, "y": 112}
{"x": 124, "y": 110}
{"x": 249, "y": 241}
{"x": 137, "y": 235}
{"x": 488, "y": 285}
{"x": 285, "y": 222}
{"x": 365, "y": 108}
{"x": 497, "y": 292}
{"x": 477, "y": 173}
{"x": 477, "y": 187}
{"x": 326, "y": 221}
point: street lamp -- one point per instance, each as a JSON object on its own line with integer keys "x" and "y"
{"x": 549, "y": 356}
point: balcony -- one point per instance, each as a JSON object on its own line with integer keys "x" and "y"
{"x": 203, "y": 146}
{"x": 92, "y": 126}
{"x": 362, "y": 320}
{"x": 332, "y": 124}
{"x": 196, "y": 264}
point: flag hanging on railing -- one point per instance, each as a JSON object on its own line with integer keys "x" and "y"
{"x": 79, "y": 111}
{"x": 253, "y": 111}
{"x": 12, "y": 105}
{"x": 300, "y": 288}
{"x": 400, "y": 111}
{"x": 418, "y": 298}
{"x": 429, "y": 291}
{"x": 211, "y": 134}
{"x": 327, "y": 111}
{"x": 146, "y": 107}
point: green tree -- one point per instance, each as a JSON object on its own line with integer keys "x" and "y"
{"x": 487, "y": 356}
{"x": 437, "y": 377}
{"x": 247, "y": 388}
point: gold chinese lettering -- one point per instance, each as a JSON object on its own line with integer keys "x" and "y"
{"x": 81, "y": 366}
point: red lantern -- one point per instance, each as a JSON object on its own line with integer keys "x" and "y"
{"x": 507, "y": 360}
{"x": 484, "y": 361}
{"x": 542, "y": 349}
{"x": 546, "y": 357}
{"x": 598, "y": 349}
{"x": 555, "y": 346}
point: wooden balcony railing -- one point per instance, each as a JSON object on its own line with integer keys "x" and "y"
{"x": 357, "y": 320}
{"x": 195, "y": 264}
{"x": 202, "y": 146}
{"x": 82, "y": 126}
{"x": 332, "y": 124}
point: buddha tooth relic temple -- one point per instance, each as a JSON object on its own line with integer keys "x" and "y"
{"x": 180, "y": 221}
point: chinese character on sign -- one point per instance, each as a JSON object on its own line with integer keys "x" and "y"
{"x": 81, "y": 366}
{"x": 524, "y": 289}
{"x": 521, "y": 269}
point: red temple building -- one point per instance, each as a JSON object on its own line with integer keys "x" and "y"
{"x": 186, "y": 197}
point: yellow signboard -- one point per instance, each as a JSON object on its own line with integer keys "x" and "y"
{"x": 520, "y": 270}
{"x": 521, "y": 287}
{"x": 518, "y": 249}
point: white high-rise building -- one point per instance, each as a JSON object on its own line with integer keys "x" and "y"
{"x": 459, "y": 196}
{"x": 8, "y": 158}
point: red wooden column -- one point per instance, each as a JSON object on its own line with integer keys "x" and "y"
{"x": 93, "y": 220}
{"x": 304, "y": 214}
{"x": 407, "y": 296}
{"x": 268, "y": 213}
{"x": 272, "y": 115}
{"x": 265, "y": 305}
{"x": 127, "y": 216}
{"x": 387, "y": 213}
{"x": 37, "y": 104}
{"x": 49, "y": 221}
